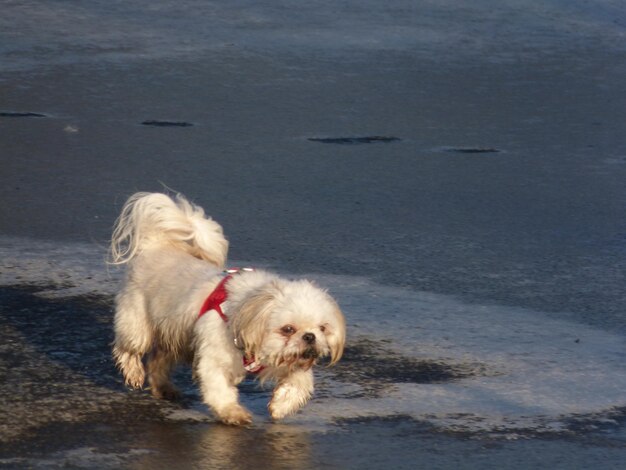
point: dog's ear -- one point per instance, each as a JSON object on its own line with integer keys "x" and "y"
{"x": 250, "y": 322}
{"x": 337, "y": 337}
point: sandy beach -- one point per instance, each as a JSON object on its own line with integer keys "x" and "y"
{"x": 454, "y": 174}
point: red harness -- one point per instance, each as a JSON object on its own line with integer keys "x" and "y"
{"x": 214, "y": 302}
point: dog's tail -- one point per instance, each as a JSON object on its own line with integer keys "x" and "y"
{"x": 149, "y": 218}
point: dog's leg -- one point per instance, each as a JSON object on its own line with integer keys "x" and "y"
{"x": 291, "y": 393}
{"x": 133, "y": 337}
{"x": 160, "y": 364}
{"x": 219, "y": 390}
{"x": 131, "y": 366}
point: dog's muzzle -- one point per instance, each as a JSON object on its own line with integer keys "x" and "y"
{"x": 310, "y": 353}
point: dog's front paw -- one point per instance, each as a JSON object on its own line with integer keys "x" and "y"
{"x": 235, "y": 415}
{"x": 287, "y": 400}
{"x": 279, "y": 410}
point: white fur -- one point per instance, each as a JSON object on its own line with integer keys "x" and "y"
{"x": 175, "y": 256}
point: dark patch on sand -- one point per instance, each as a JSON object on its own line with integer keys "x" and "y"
{"x": 75, "y": 332}
{"x": 470, "y": 150}
{"x": 354, "y": 140}
{"x": 596, "y": 422}
{"x": 156, "y": 123}
{"x": 12, "y": 114}
{"x": 374, "y": 367}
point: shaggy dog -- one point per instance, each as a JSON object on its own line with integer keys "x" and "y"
{"x": 178, "y": 305}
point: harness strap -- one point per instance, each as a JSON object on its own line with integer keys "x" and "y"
{"x": 215, "y": 300}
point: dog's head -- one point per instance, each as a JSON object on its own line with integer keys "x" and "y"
{"x": 290, "y": 324}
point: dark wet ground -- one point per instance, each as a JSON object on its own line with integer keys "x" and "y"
{"x": 67, "y": 408}
{"x": 373, "y": 367}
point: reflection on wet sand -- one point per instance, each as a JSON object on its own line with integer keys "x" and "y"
{"x": 219, "y": 446}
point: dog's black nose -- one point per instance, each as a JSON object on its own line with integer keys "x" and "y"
{"x": 308, "y": 337}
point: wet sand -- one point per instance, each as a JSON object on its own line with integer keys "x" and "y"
{"x": 65, "y": 407}
{"x": 473, "y": 152}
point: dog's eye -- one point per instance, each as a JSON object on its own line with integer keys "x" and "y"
{"x": 288, "y": 330}
{"x": 322, "y": 328}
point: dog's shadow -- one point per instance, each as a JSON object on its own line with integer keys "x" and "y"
{"x": 73, "y": 332}
{"x": 76, "y": 333}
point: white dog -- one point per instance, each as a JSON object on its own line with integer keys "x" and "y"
{"x": 178, "y": 305}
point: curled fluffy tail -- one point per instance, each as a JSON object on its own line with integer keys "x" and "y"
{"x": 149, "y": 218}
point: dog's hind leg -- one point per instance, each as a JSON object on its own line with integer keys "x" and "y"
{"x": 133, "y": 337}
{"x": 131, "y": 366}
{"x": 160, "y": 365}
